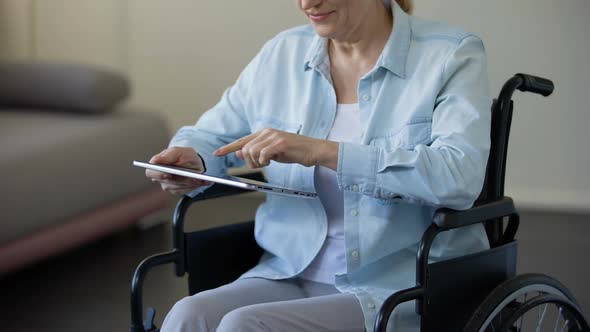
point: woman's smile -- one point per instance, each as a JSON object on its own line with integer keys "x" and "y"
{"x": 320, "y": 17}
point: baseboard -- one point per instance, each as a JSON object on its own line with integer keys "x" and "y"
{"x": 570, "y": 201}
{"x": 80, "y": 229}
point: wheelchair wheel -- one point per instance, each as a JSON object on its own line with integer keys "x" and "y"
{"x": 529, "y": 302}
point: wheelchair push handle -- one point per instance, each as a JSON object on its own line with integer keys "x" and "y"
{"x": 535, "y": 84}
{"x": 525, "y": 83}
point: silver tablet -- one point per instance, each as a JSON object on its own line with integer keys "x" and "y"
{"x": 229, "y": 180}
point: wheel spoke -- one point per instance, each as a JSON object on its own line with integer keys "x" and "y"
{"x": 541, "y": 317}
{"x": 565, "y": 325}
{"x": 520, "y": 300}
{"x": 557, "y": 321}
{"x": 519, "y": 323}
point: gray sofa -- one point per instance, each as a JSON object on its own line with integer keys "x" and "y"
{"x": 66, "y": 149}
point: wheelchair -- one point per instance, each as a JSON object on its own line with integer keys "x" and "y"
{"x": 484, "y": 293}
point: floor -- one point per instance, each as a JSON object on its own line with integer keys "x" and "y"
{"x": 88, "y": 290}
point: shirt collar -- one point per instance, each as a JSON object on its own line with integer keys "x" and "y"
{"x": 316, "y": 53}
{"x": 394, "y": 55}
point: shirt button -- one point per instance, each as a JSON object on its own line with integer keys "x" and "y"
{"x": 355, "y": 188}
{"x": 355, "y": 254}
{"x": 366, "y": 97}
{"x": 371, "y": 305}
{"x": 354, "y": 213}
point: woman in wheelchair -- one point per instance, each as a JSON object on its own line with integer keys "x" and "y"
{"x": 385, "y": 116}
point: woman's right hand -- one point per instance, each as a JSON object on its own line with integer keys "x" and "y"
{"x": 181, "y": 157}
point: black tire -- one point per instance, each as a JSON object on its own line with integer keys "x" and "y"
{"x": 567, "y": 308}
{"x": 535, "y": 282}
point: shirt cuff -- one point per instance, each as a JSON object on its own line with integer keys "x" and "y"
{"x": 183, "y": 143}
{"x": 357, "y": 167}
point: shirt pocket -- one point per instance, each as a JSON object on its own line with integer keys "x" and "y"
{"x": 407, "y": 137}
{"x": 287, "y": 126}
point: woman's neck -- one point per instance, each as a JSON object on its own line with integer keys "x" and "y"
{"x": 366, "y": 42}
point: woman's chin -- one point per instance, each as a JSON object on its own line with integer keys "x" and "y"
{"x": 323, "y": 30}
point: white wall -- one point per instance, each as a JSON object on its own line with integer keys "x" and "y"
{"x": 181, "y": 54}
{"x": 549, "y": 155}
{"x": 90, "y": 31}
{"x": 184, "y": 53}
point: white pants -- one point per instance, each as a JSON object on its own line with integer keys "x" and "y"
{"x": 259, "y": 305}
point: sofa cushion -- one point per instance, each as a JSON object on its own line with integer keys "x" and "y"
{"x": 57, "y": 165}
{"x": 63, "y": 87}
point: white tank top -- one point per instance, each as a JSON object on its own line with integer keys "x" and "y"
{"x": 331, "y": 259}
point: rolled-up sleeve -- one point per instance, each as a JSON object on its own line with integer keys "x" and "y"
{"x": 224, "y": 123}
{"x": 450, "y": 170}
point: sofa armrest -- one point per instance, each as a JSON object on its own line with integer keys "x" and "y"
{"x": 62, "y": 87}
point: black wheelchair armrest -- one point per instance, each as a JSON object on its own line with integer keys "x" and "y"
{"x": 215, "y": 191}
{"x": 137, "y": 323}
{"x": 487, "y": 211}
{"x": 178, "y": 255}
{"x": 444, "y": 220}
{"x": 448, "y": 219}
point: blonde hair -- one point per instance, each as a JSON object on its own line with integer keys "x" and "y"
{"x": 406, "y": 5}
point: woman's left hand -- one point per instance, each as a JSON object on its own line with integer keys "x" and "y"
{"x": 258, "y": 149}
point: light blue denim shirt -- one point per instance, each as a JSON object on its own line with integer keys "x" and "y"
{"x": 425, "y": 110}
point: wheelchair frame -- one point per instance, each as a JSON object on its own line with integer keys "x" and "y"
{"x": 431, "y": 292}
